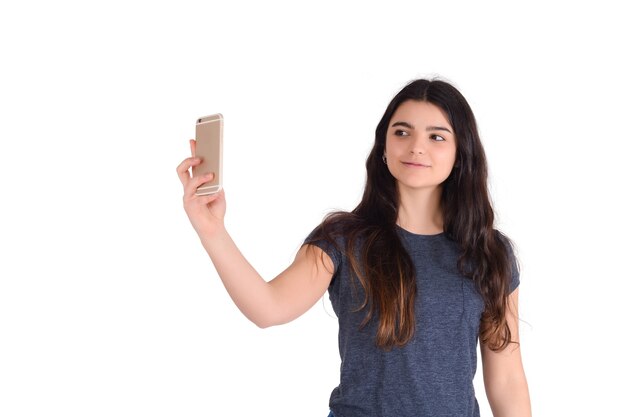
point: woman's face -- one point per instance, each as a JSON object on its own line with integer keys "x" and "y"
{"x": 420, "y": 145}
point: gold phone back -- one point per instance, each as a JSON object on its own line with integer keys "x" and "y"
{"x": 209, "y": 131}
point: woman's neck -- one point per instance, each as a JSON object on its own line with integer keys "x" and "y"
{"x": 419, "y": 211}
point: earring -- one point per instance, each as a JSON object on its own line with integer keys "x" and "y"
{"x": 385, "y": 159}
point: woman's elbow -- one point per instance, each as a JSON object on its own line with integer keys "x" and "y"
{"x": 263, "y": 321}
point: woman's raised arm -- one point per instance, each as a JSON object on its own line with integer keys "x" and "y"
{"x": 284, "y": 298}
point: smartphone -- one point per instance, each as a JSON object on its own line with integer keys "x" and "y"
{"x": 209, "y": 147}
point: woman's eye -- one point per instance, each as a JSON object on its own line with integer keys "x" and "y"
{"x": 440, "y": 137}
{"x": 399, "y": 132}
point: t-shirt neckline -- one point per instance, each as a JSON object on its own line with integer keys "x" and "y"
{"x": 406, "y": 232}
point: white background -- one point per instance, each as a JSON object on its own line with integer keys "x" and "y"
{"x": 109, "y": 304}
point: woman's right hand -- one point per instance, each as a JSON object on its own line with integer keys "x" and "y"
{"x": 206, "y": 212}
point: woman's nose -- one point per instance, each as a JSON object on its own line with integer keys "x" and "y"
{"x": 418, "y": 145}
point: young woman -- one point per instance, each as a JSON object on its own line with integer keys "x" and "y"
{"x": 416, "y": 273}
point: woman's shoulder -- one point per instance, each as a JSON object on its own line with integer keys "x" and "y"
{"x": 332, "y": 236}
{"x": 505, "y": 240}
{"x": 514, "y": 263}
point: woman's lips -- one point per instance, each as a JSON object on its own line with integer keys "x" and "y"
{"x": 415, "y": 165}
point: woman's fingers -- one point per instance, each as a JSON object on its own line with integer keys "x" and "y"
{"x": 183, "y": 169}
{"x": 207, "y": 199}
{"x": 193, "y": 184}
{"x": 192, "y": 145}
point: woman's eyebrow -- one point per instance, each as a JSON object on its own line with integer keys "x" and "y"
{"x": 405, "y": 124}
{"x": 428, "y": 128}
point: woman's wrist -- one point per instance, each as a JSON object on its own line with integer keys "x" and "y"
{"x": 215, "y": 237}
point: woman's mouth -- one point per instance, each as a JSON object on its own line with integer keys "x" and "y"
{"x": 415, "y": 165}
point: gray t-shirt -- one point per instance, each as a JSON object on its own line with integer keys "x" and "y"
{"x": 433, "y": 374}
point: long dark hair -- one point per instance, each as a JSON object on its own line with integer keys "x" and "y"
{"x": 385, "y": 269}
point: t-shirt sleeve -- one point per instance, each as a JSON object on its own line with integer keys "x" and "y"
{"x": 514, "y": 277}
{"x": 515, "y": 281}
{"x": 329, "y": 248}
